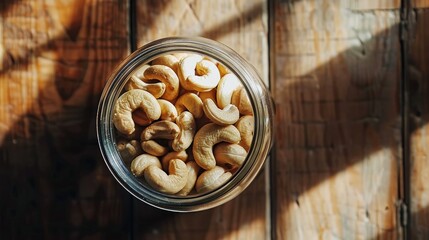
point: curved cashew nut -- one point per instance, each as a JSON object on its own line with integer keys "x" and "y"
{"x": 207, "y": 77}
{"x": 180, "y": 55}
{"x": 182, "y": 155}
{"x": 171, "y": 183}
{"x": 156, "y": 89}
{"x": 168, "y": 110}
{"x": 141, "y": 162}
{"x": 129, "y": 149}
{"x": 167, "y": 76}
{"x": 161, "y": 129}
{"x": 130, "y": 101}
{"x": 212, "y": 179}
{"x": 193, "y": 170}
{"x": 192, "y": 103}
{"x": 245, "y": 126}
{"x": 226, "y": 87}
{"x": 226, "y": 116}
{"x": 196, "y": 73}
{"x": 139, "y": 72}
{"x": 187, "y": 125}
{"x": 154, "y": 148}
{"x": 209, "y": 135}
{"x": 241, "y": 100}
{"x": 228, "y": 154}
{"x": 168, "y": 60}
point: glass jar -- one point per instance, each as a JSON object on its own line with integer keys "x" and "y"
{"x": 259, "y": 97}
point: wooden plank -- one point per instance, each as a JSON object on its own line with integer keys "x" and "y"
{"x": 55, "y": 58}
{"x": 336, "y": 86}
{"x": 420, "y": 3}
{"x": 242, "y": 26}
{"x": 418, "y": 72}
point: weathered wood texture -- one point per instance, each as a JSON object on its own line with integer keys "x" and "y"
{"x": 55, "y": 56}
{"x": 242, "y": 25}
{"x": 418, "y": 75}
{"x": 336, "y": 85}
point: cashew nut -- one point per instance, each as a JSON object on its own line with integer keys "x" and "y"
{"x": 168, "y": 110}
{"x": 212, "y": 179}
{"x": 186, "y": 68}
{"x": 139, "y": 72}
{"x": 228, "y": 154}
{"x": 168, "y": 60}
{"x": 245, "y": 126}
{"x": 193, "y": 170}
{"x": 190, "y": 102}
{"x": 187, "y": 125}
{"x": 182, "y": 155}
{"x": 226, "y": 87}
{"x": 161, "y": 129}
{"x": 154, "y": 148}
{"x": 130, "y": 101}
{"x": 129, "y": 149}
{"x": 156, "y": 89}
{"x": 241, "y": 100}
{"x": 206, "y": 78}
{"x": 141, "y": 162}
{"x": 170, "y": 184}
{"x": 209, "y": 135}
{"x": 167, "y": 76}
{"x": 226, "y": 116}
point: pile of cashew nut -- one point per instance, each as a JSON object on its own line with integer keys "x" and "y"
{"x": 184, "y": 124}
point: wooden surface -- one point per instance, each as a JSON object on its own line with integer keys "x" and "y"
{"x": 349, "y": 81}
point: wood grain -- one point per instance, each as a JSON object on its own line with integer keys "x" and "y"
{"x": 55, "y": 57}
{"x": 242, "y": 25}
{"x": 418, "y": 73}
{"x": 336, "y": 86}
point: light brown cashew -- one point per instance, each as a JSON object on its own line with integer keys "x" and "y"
{"x": 156, "y": 89}
{"x": 190, "y": 102}
{"x": 161, "y": 129}
{"x": 141, "y": 162}
{"x": 139, "y": 72}
{"x": 206, "y": 78}
{"x": 226, "y": 116}
{"x": 182, "y": 155}
{"x": 193, "y": 170}
{"x": 170, "y": 184}
{"x": 180, "y": 55}
{"x": 168, "y": 110}
{"x": 186, "y": 68}
{"x": 228, "y": 154}
{"x": 154, "y": 148}
{"x": 187, "y": 125}
{"x": 212, "y": 179}
{"x": 245, "y": 126}
{"x": 168, "y": 60}
{"x": 167, "y": 76}
{"x": 241, "y": 100}
{"x": 209, "y": 135}
{"x": 130, "y": 101}
{"x": 129, "y": 149}
{"x": 226, "y": 87}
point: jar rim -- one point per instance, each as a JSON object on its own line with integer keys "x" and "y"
{"x": 259, "y": 98}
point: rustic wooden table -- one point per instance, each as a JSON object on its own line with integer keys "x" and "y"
{"x": 350, "y": 83}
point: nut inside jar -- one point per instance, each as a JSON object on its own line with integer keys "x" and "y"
{"x": 184, "y": 124}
